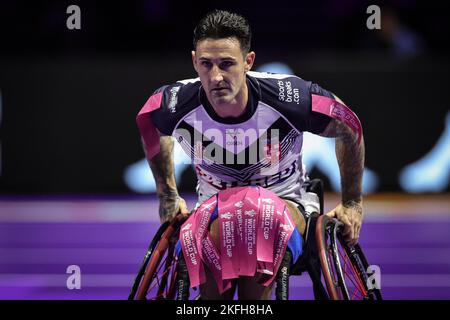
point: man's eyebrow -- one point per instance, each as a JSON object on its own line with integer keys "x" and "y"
{"x": 221, "y": 59}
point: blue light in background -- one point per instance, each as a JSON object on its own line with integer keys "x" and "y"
{"x": 319, "y": 152}
{"x": 431, "y": 173}
{"x": 139, "y": 178}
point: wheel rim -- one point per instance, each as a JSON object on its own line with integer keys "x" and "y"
{"x": 344, "y": 268}
{"x": 323, "y": 251}
{"x": 159, "y": 279}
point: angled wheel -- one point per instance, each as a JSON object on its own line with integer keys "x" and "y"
{"x": 344, "y": 268}
{"x": 157, "y": 276}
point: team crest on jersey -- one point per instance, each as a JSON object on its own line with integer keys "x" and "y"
{"x": 232, "y": 132}
{"x": 232, "y": 136}
{"x": 272, "y": 152}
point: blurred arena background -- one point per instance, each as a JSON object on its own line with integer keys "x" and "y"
{"x": 75, "y": 190}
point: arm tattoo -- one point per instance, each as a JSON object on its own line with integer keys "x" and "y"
{"x": 163, "y": 171}
{"x": 350, "y": 157}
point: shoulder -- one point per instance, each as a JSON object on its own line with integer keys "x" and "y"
{"x": 291, "y": 96}
{"x": 175, "y": 95}
{"x": 279, "y": 85}
{"x": 176, "y": 100}
{"x": 283, "y": 90}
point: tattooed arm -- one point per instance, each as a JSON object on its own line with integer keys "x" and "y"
{"x": 350, "y": 157}
{"x": 170, "y": 203}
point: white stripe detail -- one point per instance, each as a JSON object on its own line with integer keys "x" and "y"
{"x": 265, "y": 75}
{"x": 186, "y": 81}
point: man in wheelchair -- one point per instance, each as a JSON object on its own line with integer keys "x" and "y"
{"x": 243, "y": 131}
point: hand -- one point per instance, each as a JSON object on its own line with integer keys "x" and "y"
{"x": 351, "y": 216}
{"x": 170, "y": 206}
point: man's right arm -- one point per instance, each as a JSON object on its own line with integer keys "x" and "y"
{"x": 162, "y": 166}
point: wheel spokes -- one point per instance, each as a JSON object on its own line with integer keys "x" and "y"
{"x": 353, "y": 276}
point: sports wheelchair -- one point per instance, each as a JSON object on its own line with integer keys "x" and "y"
{"x": 337, "y": 271}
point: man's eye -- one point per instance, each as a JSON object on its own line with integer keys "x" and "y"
{"x": 206, "y": 64}
{"x": 226, "y": 64}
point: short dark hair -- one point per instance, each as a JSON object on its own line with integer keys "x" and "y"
{"x": 220, "y": 24}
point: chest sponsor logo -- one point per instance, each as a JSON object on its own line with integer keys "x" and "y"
{"x": 287, "y": 93}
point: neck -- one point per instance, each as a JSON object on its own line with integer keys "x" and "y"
{"x": 236, "y": 107}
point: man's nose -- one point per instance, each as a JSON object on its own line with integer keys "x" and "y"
{"x": 216, "y": 75}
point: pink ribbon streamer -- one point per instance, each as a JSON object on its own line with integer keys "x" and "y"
{"x": 247, "y": 247}
{"x": 208, "y": 251}
{"x": 246, "y": 215}
{"x": 227, "y": 199}
{"x": 212, "y": 259}
{"x": 191, "y": 255}
{"x": 285, "y": 230}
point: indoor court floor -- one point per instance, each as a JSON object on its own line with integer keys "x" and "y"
{"x": 407, "y": 236}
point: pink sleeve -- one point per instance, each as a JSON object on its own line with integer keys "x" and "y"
{"x": 336, "y": 110}
{"x": 146, "y": 127}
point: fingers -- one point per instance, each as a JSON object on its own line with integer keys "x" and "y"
{"x": 357, "y": 232}
{"x": 356, "y": 228}
{"x": 183, "y": 207}
{"x": 165, "y": 218}
{"x": 348, "y": 220}
{"x": 348, "y": 231}
{"x": 331, "y": 214}
{"x": 339, "y": 214}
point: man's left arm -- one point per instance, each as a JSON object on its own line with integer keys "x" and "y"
{"x": 350, "y": 156}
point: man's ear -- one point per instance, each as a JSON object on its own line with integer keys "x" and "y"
{"x": 194, "y": 60}
{"x": 249, "y": 60}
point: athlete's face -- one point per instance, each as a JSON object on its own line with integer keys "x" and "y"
{"x": 221, "y": 66}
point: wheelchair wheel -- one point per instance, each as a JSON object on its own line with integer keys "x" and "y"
{"x": 344, "y": 267}
{"x": 157, "y": 276}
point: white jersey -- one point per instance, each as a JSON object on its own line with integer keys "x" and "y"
{"x": 261, "y": 147}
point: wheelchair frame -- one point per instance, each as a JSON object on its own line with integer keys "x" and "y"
{"x": 326, "y": 256}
